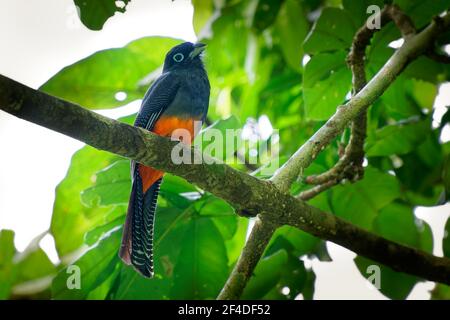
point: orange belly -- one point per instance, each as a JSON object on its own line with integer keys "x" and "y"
{"x": 165, "y": 126}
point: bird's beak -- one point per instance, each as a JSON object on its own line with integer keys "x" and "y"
{"x": 198, "y": 48}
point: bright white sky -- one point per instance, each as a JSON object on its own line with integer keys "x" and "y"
{"x": 37, "y": 39}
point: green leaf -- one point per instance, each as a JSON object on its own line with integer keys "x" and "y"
{"x": 322, "y": 66}
{"x": 396, "y": 222}
{"x": 446, "y": 178}
{"x": 394, "y": 285}
{"x": 174, "y": 199}
{"x": 425, "y": 236}
{"x": 101, "y": 291}
{"x": 424, "y": 184}
{"x": 421, "y": 12}
{"x": 92, "y": 236}
{"x": 171, "y": 225}
{"x": 334, "y": 30}
{"x": 94, "y": 14}
{"x": 236, "y": 243}
{"x": 358, "y": 9}
{"x": 229, "y": 123}
{"x": 212, "y": 219}
{"x": 326, "y": 82}
{"x": 221, "y": 213}
{"x": 440, "y": 292}
{"x": 446, "y": 239}
{"x": 220, "y": 140}
{"x": 28, "y": 273}
{"x": 70, "y": 216}
{"x": 94, "y": 81}
{"x": 191, "y": 256}
{"x": 309, "y": 287}
{"x": 229, "y": 27}
{"x": 302, "y": 243}
{"x": 359, "y": 202}
{"x": 424, "y": 68}
{"x": 379, "y": 51}
{"x": 399, "y": 100}
{"x": 203, "y": 10}
{"x": 390, "y": 218}
{"x": 95, "y": 267}
{"x": 202, "y": 268}
{"x": 33, "y": 265}
{"x": 266, "y": 13}
{"x": 7, "y": 249}
{"x": 7, "y": 270}
{"x": 424, "y": 93}
{"x": 174, "y": 184}
{"x": 265, "y": 276}
{"x": 132, "y": 286}
{"x": 399, "y": 138}
{"x": 321, "y": 201}
{"x": 293, "y": 278}
{"x": 115, "y": 212}
{"x": 292, "y": 27}
{"x": 112, "y": 186}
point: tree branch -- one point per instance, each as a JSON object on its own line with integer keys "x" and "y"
{"x": 242, "y": 190}
{"x": 311, "y": 193}
{"x": 348, "y": 167}
{"x": 350, "y": 163}
{"x": 256, "y": 244}
{"x": 438, "y": 57}
{"x": 416, "y": 45}
{"x": 270, "y": 200}
{"x": 402, "y": 21}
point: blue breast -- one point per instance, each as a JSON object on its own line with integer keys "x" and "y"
{"x": 192, "y": 98}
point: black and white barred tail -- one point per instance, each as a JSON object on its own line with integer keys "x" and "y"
{"x": 137, "y": 239}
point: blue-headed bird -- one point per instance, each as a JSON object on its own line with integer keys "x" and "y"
{"x": 176, "y": 100}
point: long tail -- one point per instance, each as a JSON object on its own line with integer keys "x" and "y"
{"x": 137, "y": 239}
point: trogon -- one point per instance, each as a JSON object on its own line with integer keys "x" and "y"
{"x": 176, "y": 100}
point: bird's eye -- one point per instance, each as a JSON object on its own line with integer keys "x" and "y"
{"x": 178, "y": 57}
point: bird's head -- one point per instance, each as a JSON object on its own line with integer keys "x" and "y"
{"x": 185, "y": 55}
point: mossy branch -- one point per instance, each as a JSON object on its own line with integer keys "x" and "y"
{"x": 350, "y": 165}
{"x": 269, "y": 199}
{"x": 415, "y": 45}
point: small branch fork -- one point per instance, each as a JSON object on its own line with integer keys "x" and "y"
{"x": 432, "y": 53}
{"x": 269, "y": 199}
{"x": 438, "y": 57}
{"x": 350, "y": 165}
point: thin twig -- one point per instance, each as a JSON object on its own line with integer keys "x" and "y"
{"x": 311, "y": 193}
{"x": 259, "y": 237}
{"x": 403, "y": 22}
{"x": 270, "y": 199}
{"x": 350, "y": 165}
{"x": 438, "y": 57}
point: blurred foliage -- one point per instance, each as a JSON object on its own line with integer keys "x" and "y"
{"x": 94, "y": 82}
{"x": 442, "y": 291}
{"x": 94, "y": 14}
{"x": 280, "y": 59}
{"x": 26, "y": 274}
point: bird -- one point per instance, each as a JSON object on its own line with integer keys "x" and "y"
{"x": 178, "y": 99}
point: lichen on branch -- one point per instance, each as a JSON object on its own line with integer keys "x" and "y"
{"x": 269, "y": 199}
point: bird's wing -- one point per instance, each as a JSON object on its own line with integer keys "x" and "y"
{"x": 137, "y": 239}
{"x": 158, "y": 97}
